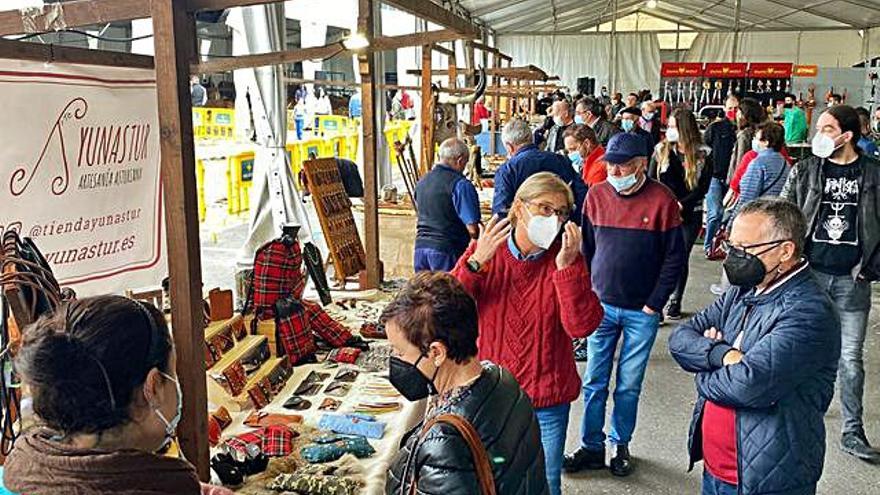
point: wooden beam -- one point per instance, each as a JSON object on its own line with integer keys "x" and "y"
{"x": 381, "y": 43}
{"x": 80, "y": 13}
{"x": 75, "y": 14}
{"x": 369, "y": 108}
{"x": 432, "y": 12}
{"x": 427, "y": 116}
{"x": 175, "y": 48}
{"x": 530, "y": 73}
{"x": 491, "y": 49}
{"x": 494, "y": 120}
{"x": 65, "y": 54}
{"x": 445, "y": 51}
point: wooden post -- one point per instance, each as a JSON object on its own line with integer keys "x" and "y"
{"x": 495, "y": 118}
{"x": 367, "y": 67}
{"x": 427, "y": 113}
{"x": 175, "y": 49}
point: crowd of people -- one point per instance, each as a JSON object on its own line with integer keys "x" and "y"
{"x": 593, "y": 223}
{"x": 800, "y": 248}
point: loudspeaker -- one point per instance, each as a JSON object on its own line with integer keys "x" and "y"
{"x": 586, "y": 85}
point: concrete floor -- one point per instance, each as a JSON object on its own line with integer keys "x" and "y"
{"x": 659, "y": 443}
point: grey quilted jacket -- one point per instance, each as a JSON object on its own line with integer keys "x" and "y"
{"x": 780, "y": 390}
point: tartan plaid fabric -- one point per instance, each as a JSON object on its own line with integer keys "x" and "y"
{"x": 277, "y": 273}
{"x": 322, "y": 324}
{"x": 274, "y": 441}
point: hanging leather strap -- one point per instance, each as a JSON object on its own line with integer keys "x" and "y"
{"x": 482, "y": 467}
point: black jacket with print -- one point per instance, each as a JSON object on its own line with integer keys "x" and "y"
{"x": 805, "y": 186}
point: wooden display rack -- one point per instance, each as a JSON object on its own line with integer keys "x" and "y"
{"x": 337, "y": 222}
{"x": 242, "y": 349}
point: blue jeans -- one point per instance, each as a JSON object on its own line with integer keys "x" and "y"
{"x": 714, "y": 210}
{"x": 433, "y": 260}
{"x": 300, "y": 124}
{"x": 853, "y": 301}
{"x": 553, "y": 422}
{"x": 638, "y": 330}
{"x": 714, "y": 486}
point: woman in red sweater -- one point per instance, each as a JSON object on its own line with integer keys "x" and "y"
{"x": 534, "y": 294}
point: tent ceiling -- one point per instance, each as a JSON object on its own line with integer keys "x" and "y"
{"x": 507, "y": 16}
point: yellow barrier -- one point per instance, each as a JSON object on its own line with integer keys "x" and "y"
{"x": 396, "y": 130}
{"x": 200, "y": 189}
{"x": 332, "y": 124}
{"x": 239, "y": 177}
{"x": 213, "y": 123}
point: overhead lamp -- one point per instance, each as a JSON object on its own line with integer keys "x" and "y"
{"x": 651, "y": 4}
{"x": 356, "y": 41}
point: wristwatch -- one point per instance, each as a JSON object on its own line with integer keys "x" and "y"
{"x": 474, "y": 266}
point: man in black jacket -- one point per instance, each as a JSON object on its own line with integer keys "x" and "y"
{"x": 591, "y": 112}
{"x": 837, "y": 191}
{"x": 720, "y": 135}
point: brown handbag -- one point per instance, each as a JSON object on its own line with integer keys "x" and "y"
{"x": 220, "y": 302}
{"x": 481, "y": 458}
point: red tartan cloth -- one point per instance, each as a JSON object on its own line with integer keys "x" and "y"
{"x": 278, "y": 274}
{"x": 274, "y": 441}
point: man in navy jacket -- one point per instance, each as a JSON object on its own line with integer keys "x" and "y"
{"x": 527, "y": 160}
{"x": 765, "y": 357}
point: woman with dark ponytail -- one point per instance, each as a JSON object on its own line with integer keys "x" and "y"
{"x": 101, "y": 372}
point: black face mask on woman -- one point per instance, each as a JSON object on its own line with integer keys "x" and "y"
{"x": 746, "y": 269}
{"x": 409, "y": 380}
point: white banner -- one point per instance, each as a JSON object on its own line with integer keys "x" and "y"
{"x": 79, "y": 171}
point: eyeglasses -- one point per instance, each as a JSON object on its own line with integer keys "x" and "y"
{"x": 546, "y": 210}
{"x": 728, "y": 247}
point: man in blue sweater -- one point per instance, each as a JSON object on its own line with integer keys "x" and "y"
{"x": 633, "y": 244}
{"x": 527, "y": 160}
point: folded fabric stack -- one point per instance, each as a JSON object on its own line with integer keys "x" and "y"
{"x": 312, "y": 484}
{"x": 327, "y": 448}
{"x": 353, "y": 424}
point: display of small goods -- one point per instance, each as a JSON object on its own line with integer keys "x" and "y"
{"x": 334, "y": 212}
{"x": 318, "y": 425}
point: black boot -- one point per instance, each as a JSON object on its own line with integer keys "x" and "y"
{"x": 582, "y": 459}
{"x": 621, "y": 464}
{"x": 673, "y": 310}
{"x": 856, "y": 444}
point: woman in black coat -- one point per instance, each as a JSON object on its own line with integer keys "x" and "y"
{"x": 683, "y": 164}
{"x": 432, "y": 327}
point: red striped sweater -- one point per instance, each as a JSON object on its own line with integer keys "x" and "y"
{"x": 529, "y": 312}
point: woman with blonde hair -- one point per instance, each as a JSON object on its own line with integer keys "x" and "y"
{"x": 683, "y": 164}
{"x": 534, "y": 293}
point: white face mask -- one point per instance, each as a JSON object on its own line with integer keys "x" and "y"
{"x": 823, "y": 146}
{"x": 558, "y": 121}
{"x": 672, "y": 135}
{"x": 171, "y": 426}
{"x": 542, "y": 230}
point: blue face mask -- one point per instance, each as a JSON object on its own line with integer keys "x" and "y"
{"x": 575, "y": 157}
{"x": 626, "y": 125}
{"x": 622, "y": 183}
{"x": 578, "y": 119}
{"x": 756, "y": 146}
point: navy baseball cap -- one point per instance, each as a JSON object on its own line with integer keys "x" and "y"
{"x": 623, "y": 147}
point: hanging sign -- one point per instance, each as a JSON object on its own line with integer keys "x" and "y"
{"x": 774, "y": 69}
{"x": 681, "y": 69}
{"x": 79, "y": 172}
{"x": 725, "y": 70}
{"x": 806, "y": 70}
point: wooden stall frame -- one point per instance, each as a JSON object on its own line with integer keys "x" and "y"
{"x": 175, "y": 59}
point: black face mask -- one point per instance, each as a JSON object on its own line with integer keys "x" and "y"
{"x": 409, "y": 380}
{"x": 788, "y": 105}
{"x": 745, "y": 269}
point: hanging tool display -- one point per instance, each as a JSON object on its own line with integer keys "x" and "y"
{"x": 408, "y": 168}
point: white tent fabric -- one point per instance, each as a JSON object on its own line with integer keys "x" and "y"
{"x": 275, "y": 202}
{"x": 822, "y": 48}
{"x": 573, "y": 56}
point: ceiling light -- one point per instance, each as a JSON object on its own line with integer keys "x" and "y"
{"x": 356, "y": 41}
{"x": 651, "y": 4}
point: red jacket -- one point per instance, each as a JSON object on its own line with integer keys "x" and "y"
{"x": 529, "y": 312}
{"x": 595, "y": 169}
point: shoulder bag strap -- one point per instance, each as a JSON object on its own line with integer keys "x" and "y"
{"x": 482, "y": 467}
